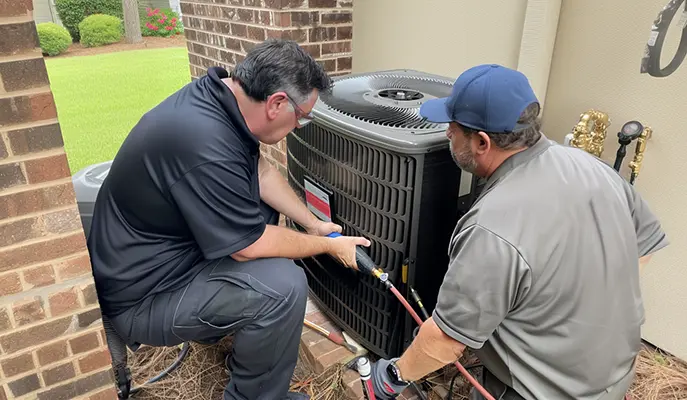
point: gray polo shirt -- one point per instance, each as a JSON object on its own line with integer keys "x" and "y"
{"x": 544, "y": 276}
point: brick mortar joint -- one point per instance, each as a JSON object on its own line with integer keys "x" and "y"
{"x": 257, "y": 41}
{"x": 88, "y": 395}
{"x": 262, "y": 25}
{"x": 53, "y": 262}
{"x": 33, "y": 186}
{"x": 269, "y": 27}
{"x": 78, "y": 376}
{"x": 65, "y": 338}
{"x": 280, "y": 10}
{"x": 31, "y": 156}
{"x": 17, "y": 20}
{"x": 27, "y": 125}
{"x": 6, "y": 140}
{"x": 40, "y": 240}
{"x": 36, "y": 214}
{"x": 227, "y": 36}
{"x": 46, "y": 292}
{"x": 28, "y": 92}
{"x": 329, "y": 56}
{"x": 32, "y": 54}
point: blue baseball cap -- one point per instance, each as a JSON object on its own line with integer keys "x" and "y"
{"x": 488, "y": 97}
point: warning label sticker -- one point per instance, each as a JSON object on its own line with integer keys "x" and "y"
{"x": 317, "y": 201}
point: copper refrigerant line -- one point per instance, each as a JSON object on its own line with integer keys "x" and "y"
{"x": 366, "y": 265}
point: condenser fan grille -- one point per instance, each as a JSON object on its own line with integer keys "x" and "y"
{"x": 388, "y": 100}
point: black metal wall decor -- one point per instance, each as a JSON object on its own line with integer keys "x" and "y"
{"x": 652, "y": 52}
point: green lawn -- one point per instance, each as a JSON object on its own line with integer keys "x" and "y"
{"x": 100, "y": 98}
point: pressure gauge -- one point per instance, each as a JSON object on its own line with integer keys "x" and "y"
{"x": 630, "y": 131}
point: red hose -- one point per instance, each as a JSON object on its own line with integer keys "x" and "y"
{"x": 458, "y": 365}
{"x": 370, "y": 390}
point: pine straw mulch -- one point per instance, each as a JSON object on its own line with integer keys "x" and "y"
{"x": 203, "y": 376}
{"x": 659, "y": 377}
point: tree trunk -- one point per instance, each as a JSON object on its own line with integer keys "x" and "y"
{"x": 132, "y": 21}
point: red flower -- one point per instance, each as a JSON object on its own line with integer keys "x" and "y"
{"x": 169, "y": 28}
{"x": 161, "y": 21}
{"x": 173, "y": 21}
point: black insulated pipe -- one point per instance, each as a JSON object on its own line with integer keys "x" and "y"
{"x": 652, "y": 52}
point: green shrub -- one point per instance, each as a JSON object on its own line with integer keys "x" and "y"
{"x": 72, "y": 12}
{"x": 54, "y": 39}
{"x": 161, "y": 22}
{"x": 100, "y": 29}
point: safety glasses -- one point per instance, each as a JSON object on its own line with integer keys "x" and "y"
{"x": 303, "y": 117}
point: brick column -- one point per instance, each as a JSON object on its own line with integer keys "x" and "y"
{"x": 220, "y": 34}
{"x": 52, "y": 343}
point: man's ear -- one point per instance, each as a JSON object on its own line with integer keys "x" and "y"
{"x": 481, "y": 143}
{"x": 275, "y": 104}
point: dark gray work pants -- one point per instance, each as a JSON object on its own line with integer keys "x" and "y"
{"x": 261, "y": 302}
{"x": 495, "y": 388}
{"x": 502, "y": 392}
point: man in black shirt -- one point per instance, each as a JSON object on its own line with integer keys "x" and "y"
{"x": 184, "y": 241}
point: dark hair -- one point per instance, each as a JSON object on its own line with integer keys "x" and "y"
{"x": 280, "y": 65}
{"x": 514, "y": 140}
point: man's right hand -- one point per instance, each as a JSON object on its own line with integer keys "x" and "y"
{"x": 342, "y": 248}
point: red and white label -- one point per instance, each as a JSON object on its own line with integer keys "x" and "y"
{"x": 318, "y": 202}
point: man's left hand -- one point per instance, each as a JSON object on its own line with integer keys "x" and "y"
{"x": 322, "y": 228}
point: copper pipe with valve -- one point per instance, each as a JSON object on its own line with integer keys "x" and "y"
{"x": 636, "y": 163}
{"x": 590, "y": 131}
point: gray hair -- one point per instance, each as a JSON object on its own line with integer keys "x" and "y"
{"x": 280, "y": 65}
{"x": 515, "y": 140}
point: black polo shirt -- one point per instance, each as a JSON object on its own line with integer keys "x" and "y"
{"x": 182, "y": 189}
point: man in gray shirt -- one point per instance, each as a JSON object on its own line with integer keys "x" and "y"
{"x": 543, "y": 281}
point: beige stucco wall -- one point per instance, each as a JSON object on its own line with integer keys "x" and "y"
{"x": 434, "y": 37}
{"x": 595, "y": 64}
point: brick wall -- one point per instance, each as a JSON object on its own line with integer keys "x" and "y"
{"x": 52, "y": 343}
{"x": 220, "y": 34}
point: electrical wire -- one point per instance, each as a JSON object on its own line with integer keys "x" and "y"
{"x": 449, "y": 395}
{"x": 182, "y": 355}
{"x": 419, "y": 391}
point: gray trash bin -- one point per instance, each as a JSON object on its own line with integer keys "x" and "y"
{"x": 87, "y": 183}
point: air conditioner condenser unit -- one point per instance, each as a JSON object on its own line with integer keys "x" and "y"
{"x": 370, "y": 163}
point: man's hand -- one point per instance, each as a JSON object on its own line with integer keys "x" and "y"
{"x": 343, "y": 249}
{"x": 322, "y": 228}
{"x": 384, "y": 386}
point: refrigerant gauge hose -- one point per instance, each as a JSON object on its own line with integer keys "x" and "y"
{"x": 366, "y": 265}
